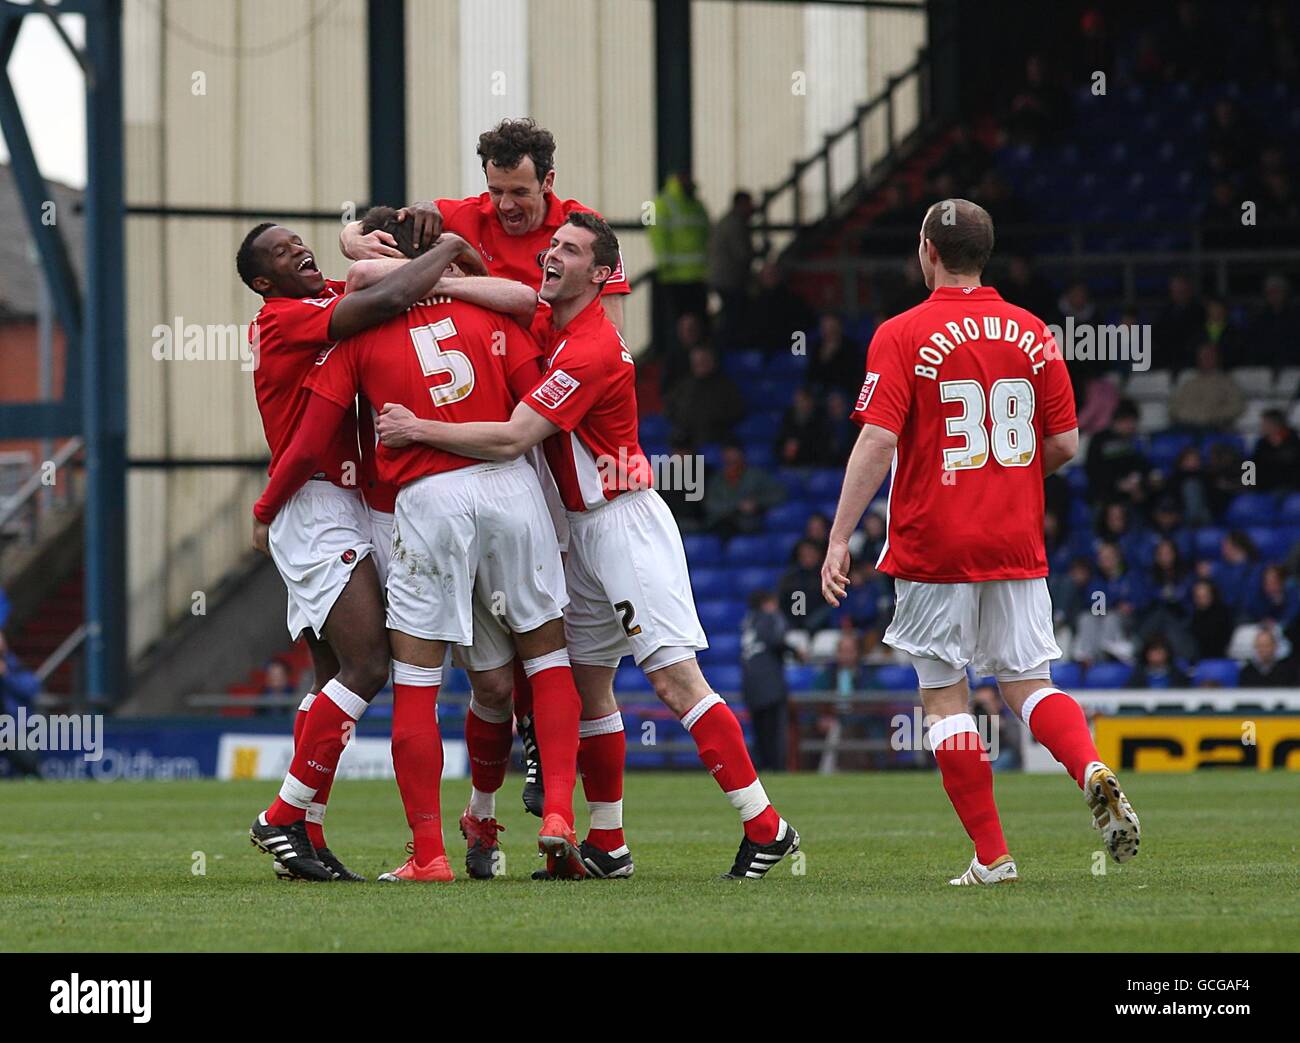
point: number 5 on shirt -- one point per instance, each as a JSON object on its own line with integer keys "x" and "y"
{"x": 436, "y": 360}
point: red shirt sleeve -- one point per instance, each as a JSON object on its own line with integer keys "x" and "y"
{"x": 569, "y": 389}
{"x": 1058, "y": 393}
{"x": 887, "y": 390}
{"x": 337, "y": 373}
{"x": 523, "y": 360}
{"x": 304, "y": 322}
{"x": 320, "y": 420}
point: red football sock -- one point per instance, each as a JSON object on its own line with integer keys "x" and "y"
{"x": 523, "y": 696}
{"x": 556, "y": 709}
{"x": 724, "y": 755}
{"x": 417, "y": 755}
{"x": 1059, "y": 724}
{"x": 602, "y": 751}
{"x": 316, "y": 810}
{"x": 326, "y": 727}
{"x": 488, "y": 738}
{"x": 968, "y": 779}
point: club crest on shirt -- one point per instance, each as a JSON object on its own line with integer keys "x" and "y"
{"x": 348, "y": 556}
{"x": 557, "y": 388}
{"x": 868, "y": 389}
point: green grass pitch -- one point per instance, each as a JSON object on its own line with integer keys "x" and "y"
{"x": 96, "y": 867}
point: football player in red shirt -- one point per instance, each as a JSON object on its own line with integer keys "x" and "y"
{"x": 473, "y": 551}
{"x": 512, "y": 224}
{"x": 629, "y": 587}
{"x": 322, "y": 542}
{"x": 968, "y": 401}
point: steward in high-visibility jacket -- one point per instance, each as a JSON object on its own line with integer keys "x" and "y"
{"x": 680, "y": 233}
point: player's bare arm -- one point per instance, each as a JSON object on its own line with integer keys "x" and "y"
{"x": 359, "y": 246}
{"x": 869, "y": 463}
{"x": 505, "y": 296}
{"x": 1059, "y": 449}
{"x": 613, "y": 305}
{"x": 368, "y": 272}
{"x": 397, "y": 426}
{"x": 396, "y": 291}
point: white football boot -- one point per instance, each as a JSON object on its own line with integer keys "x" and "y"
{"x": 1111, "y": 812}
{"x": 999, "y": 871}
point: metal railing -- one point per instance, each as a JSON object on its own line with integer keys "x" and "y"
{"x": 27, "y": 495}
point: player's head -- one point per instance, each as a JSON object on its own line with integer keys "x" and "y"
{"x": 274, "y": 262}
{"x": 518, "y": 160}
{"x": 582, "y": 257}
{"x": 956, "y": 238}
{"x": 384, "y": 219}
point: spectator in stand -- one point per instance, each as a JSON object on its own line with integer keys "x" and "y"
{"x": 737, "y": 498}
{"x": 841, "y": 432}
{"x": 1208, "y": 400}
{"x": 1029, "y": 290}
{"x": 1277, "y": 454}
{"x": 690, "y": 332}
{"x": 1071, "y": 591}
{"x": 1053, "y": 541}
{"x": 803, "y": 440}
{"x": 1230, "y": 135}
{"x": 19, "y": 688}
{"x": 1115, "y": 465}
{"x": 801, "y": 589}
{"x": 777, "y": 312}
{"x": 1191, "y": 486}
{"x": 836, "y": 363}
{"x": 1107, "y": 627}
{"x": 4, "y": 609}
{"x": 1272, "y": 598}
{"x": 818, "y": 529}
{"x": 278, "y": 682}
{"x": 965, "y": 161}
{"x": 1211, "y": 622}
{"x": 1039, "y": 110}
{"x": 868, "y": 540}
{"x": 1238, "y": 573}
{"x": 1223, "y": 474}
{"x": 1220, "y": 332}
{"x": 1076, "y": 303}
{"x": 1166, "y": 517}
{"x": 1002, "y": 729}
{"x": 1170, "y": 583}
{"x": 869, "y": 604}
{"x": 1156, "y": 667}
{"x": 731, "y": 260}
{"x": 1221, "y": 219}
{"x": 1116, "y": 524}
{"x": 845, "y": 679}
{"x": 686, "y": 504}
{"x": 706, "y": 405}
{"x": 1180, "y": 326}
{"x": 764, "y": 648}
{"x": 1272, "y": 331}
{"x": 1265, "y": 669}
{"x": 679, "y": 237}
{"x": 1099, "y": 400}
{"x": 904, "y": 290}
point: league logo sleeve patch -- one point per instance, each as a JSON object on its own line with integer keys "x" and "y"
{"x": 558, "y": 386}
{"x": 868, "y": 389}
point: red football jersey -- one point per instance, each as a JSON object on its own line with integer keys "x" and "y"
{"x": 517, "y": 257}
{"x": 971, "y": 385}
{"x": 449, "y": 361}
{"x": 379, "y": 494}
{"x": 589, "y": 392}
{"x": 290, "y": 332}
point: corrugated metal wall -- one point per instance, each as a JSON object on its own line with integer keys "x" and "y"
{"x": 257, "y": 105}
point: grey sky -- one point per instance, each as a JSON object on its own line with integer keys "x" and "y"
{"x": 51, "y": 92}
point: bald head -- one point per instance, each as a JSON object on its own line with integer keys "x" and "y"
{"x": 962, "y": 234}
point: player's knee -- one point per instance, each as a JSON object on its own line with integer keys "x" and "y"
{"x": 494, "y": 690}
{"x": 367, "y": 674}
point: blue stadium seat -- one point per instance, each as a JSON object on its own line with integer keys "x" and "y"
{"x": 710, "y": 584}
{"x": 1291, "y": 508}
{"x": 761, "y": 549}
{"x": 456, "y": 681}
{"x": 801, "y": 678}
{"x": 787, "y": 365}
{"x": 720, "y": 615}
{"x": 1271, "y": 543}
{"x": 790, "y": 516}
{"x": 723, "y": 648}
{"x": 1164, "y": 446}
{"x": 1066, "y": 674}
{"x": 654, "y": 428}
{"x": 631, "y": 678}
{"x": 1251, "y": 509}
{"x": 1208, "y": 540}
{"x": 895, "y": 678}
{"x": 1107, "y": 675}
{"x": 1221, "y": 673}
{"x": 702, "y": 550}
{"x": 757, "y": 577}
{"x": 757, "y": 428}
{"x": 742, "y": 363}
{"x": 725, "y": 679}
{"x": 824, "y": 483}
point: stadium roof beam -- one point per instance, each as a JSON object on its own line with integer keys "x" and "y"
{"x": 673, "y": 145}
{"x": 386, "y": 69}
{"x": 94, "y": 399}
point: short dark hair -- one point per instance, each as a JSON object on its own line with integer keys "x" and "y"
{"x": 605, "y": 248}
{"x": 962, "y": 232}
{"x": 510, "y": 141}
{"x": 384, "y": 219}
{"x": 246, "y": 261}
{"x": 1127, "y": 409}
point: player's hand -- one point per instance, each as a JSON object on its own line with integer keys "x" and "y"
{"x": 835, "y": 573}
{"x": 426, "y": 219}
{"x": 262, "y": 537}
{"x": 469, "y": 261}
{"x": 365, "y": 247}
{"x": 396, "y": 426}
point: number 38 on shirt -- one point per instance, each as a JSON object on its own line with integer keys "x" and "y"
{"x": 1009, "y": 437}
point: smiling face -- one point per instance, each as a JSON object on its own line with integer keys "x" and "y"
{"x": 288, "y": 268}
{"x": 569, "y": 267}
{"x": 519, "y": 197}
